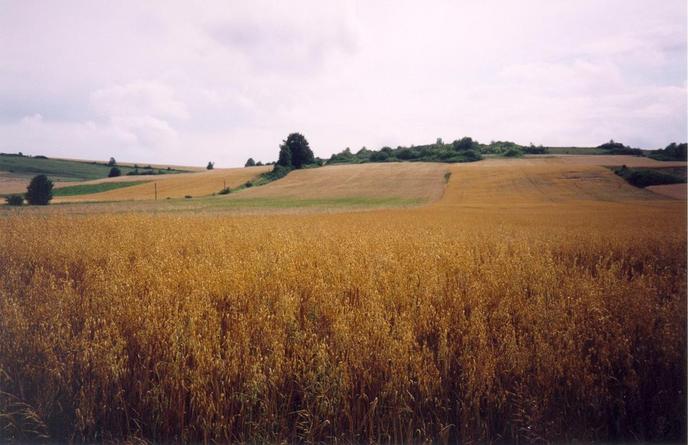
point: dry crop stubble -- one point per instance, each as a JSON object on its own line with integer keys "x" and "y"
{"x": 494, "y": 314}
{"x": 171, "y": 185}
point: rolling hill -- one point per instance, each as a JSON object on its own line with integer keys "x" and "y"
{"x": 414, "y": 181}
{"x": 180, "y": 185}
{"x": 16, "y": 171}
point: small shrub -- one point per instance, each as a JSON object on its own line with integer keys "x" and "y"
{"x": 248, "y": 184}
{"x": 114, "y": 172}
{"x": 513, "y": 153}
{"x": 188, "y": 196}
{"x": 225, "y": 191}
{"x": 14, "y": 200}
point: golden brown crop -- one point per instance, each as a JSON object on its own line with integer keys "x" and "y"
{"x": 484, "y": 317}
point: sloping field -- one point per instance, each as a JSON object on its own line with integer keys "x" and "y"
{"x": 612, "y": 160}
{"x": 420, "y": 181}
{"x": 120, "y": 164}
{"x": 16, "y": 171}
{"x": 676, "y": 191}
{"x": 172, "y": 186}
{"x": 13, "y": 182}
{"x": 544, "y": 180}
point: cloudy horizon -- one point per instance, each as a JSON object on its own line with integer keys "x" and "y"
{"x": 173, "y": 83}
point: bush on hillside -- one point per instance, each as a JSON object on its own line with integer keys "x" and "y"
{"x": 14, "y": 200}
{"x": 513, "y": 153}
{"x": 645, "y": 177}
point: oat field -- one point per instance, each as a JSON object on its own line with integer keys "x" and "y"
{"x": 529, "y": 300}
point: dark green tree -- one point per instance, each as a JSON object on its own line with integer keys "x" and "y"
{"x": 284, "y": 156}
{"x": 676, "y": 151}
{"x": 111, "y": 162}
{"x": 300, "y": 151}
{"x": 14, "y": 200}
{"x": 114, "y": 172}
{"x": 210, "y": 166}
{"x": 39, "y": 191}
{"x": 250, "y": 163}
{"x": 464, "y": 143}
{"x": 379, "y": 156}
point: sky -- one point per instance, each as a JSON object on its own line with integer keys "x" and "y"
{"x": 191, "y": 82}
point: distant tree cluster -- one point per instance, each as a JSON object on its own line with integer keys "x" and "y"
{"x": 672, "y": 152}
{"x": 465, "y": 149}
{"x": 461, "y": 150}
{"x": 251, "y": 163}
{"x": 617, "y": 148}
{"x": 22, "y": 155}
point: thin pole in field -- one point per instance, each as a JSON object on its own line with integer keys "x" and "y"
{"x": 156, "y": 190}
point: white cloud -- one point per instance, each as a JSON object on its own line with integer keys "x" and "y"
{"x": 139, "y": 99}
{"x": 171, "y": 82}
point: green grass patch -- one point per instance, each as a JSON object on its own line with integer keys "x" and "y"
{"x": 87, "y": 189}
{"x": 66, "y": 170}
{"x": 56, "y": 169}
{"x": 645, "y": 177}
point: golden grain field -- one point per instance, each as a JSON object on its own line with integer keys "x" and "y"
{"x": 170, "y": 186}
{"x": 421, "y": 180}
{"x": 536, "y": 300}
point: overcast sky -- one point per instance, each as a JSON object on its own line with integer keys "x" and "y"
{"x": 190, "y": 82}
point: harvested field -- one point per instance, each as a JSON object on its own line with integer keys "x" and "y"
{"x": 537, "y": 181}
{"x": 13, "y": 182}
{"x": 612, "y": 160}
{"x": 676, "y": 191}
{"x": 424, "y": 181}
{"x": 172, "y": 186}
